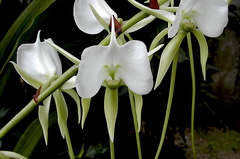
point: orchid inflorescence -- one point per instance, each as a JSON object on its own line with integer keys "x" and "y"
{"x": 118, "y": 60}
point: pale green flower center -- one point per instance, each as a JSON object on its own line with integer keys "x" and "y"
{"x": 187, "y": 23}
{"x": 113, "y": 80}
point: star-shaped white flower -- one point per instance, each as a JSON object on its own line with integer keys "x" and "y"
{"x": 210, "y": 16}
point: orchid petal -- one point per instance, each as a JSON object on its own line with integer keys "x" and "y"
{"x": 211, "y": 16}
{"x": 85, "y": 106}
{"x": 91, "y": 72}
{"x": 39, "y": 59}
{"x": 85, "y": 19}
{"x": 138, "y": 104}
{"x": 100, "y": 19}
{"x": 167, "y": 56}
{"x": 62, "y": 112}
{"x": 76, "y": 98}
{"x": 134, "y": 67}
{"x": 30, "y": 79}
{"x": 69, "y": 84}
{"x": 64, "y": 52}
{"x": 203, "y": 50}
{"x": 185, "y": 7}
{"x": 175, "y": 26}
{"x": 140, "y": 24}
{"x": 43, "y": 115}
{"x": 150, "y": 53}
{"x": 111, "y": 109}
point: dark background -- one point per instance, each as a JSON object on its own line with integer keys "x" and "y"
{"x": 217, "y": 100}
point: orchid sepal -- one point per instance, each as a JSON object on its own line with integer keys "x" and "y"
{"x": 203, "y": 50}
{"x": 76, "y": 98}
{"x": 85, "y": 108}
{"x": 64, "y": 52}
{"x": 99, "y": 18}
{"x": 111, "y": 109}
{"x": 27, "y": 77}
{"x": 155, "y": 42}
{"x": 43, "y": 116}
{"x": 138, "y": 101}
{"x": 62, "y": 115}
{"x": 62, "y": 111}
{"x": 168, "y": 55}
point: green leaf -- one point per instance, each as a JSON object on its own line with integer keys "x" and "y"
{"x": 85, "y": 108}
{"x": 111, "y": 109}
{"x": 203, "y": 50}
{"x": 32, "y": 135}
{"x": 11, "y": 40}
{"x": 19, "y": 27}
{"x": 10, "y": 155}
{"x": 167, "y": 56}
{"x": 95, "y": 150}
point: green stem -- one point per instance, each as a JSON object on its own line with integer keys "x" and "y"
{"x": 69, "y": 144}
{"x": 32, "y": 104}
{"x": 112, "y": 152}
{"x": 169, "y": 104}
{"x": 135, "y": 124}
{"x": 193, "y": 91}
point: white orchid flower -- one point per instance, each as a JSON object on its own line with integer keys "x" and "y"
{"x": 93, "y": 16}
{"x": 210, "y": 16}
{"x": 85, "y": 12}
{"x": 101, "y": 65}
{"x": 38, "y": 62}
{"x": 39, "y": 65}
{"x": 113, "y": 66}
